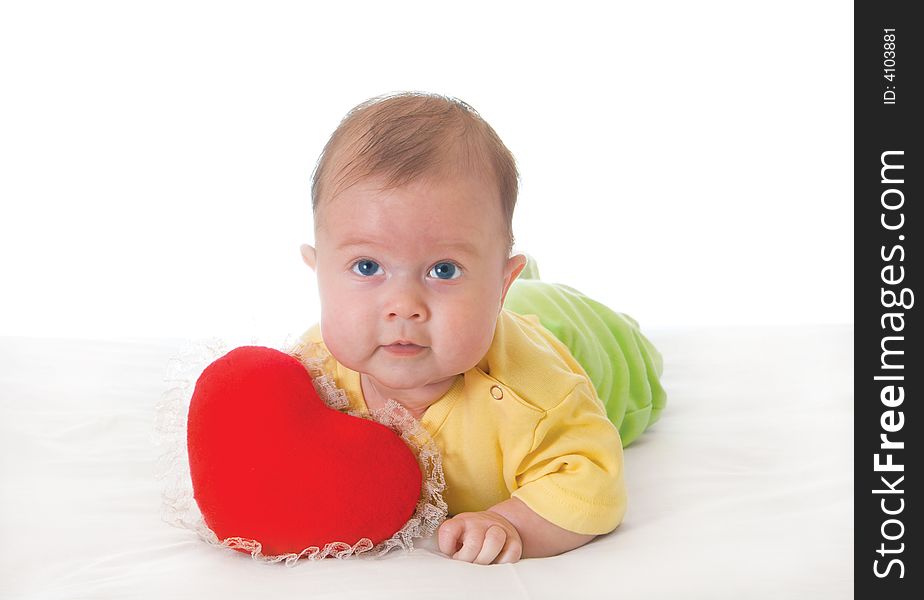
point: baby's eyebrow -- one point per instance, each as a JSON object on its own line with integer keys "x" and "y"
{"x": 458, "y": 246}
{"x": 350, "y": 243}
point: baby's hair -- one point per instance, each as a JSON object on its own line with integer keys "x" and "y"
{"x": 404, "y": 136}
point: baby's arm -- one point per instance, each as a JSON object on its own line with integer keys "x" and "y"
{"x": 541, "y": 538}
{"x": 572, "y": 474}
{"x": 506, "y": 532}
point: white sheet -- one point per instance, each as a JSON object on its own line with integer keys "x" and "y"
{"x": 743, "y": 489}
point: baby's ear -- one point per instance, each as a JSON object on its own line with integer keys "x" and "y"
{"x": 310, "y": 256}
{"x": 515, "y": 264}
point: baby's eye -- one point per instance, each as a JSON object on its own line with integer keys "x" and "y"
{"x": 365, "y": 267}
{"x": 445, "y": 270}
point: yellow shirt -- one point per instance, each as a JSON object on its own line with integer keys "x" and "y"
{"x": 525, "y": 423}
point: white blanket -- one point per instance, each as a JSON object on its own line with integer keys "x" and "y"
{"x": 743, "y": 489}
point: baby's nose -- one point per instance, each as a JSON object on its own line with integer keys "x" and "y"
{"x": 413, "y": 312}
{"x": 407, "y": 304}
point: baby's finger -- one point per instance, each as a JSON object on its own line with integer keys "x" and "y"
{"x": 472, "y": 540}
{"x": 448, "y": 536}
{"x": 512, "y": 552}
{"x": 494, "y": 539}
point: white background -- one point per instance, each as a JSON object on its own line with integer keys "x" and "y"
{"x": 689, "y": 163}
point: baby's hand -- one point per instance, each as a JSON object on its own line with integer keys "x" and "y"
{"x": 480, "y": 537}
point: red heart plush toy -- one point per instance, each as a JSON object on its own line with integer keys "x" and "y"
{"x": 271, "y": 462}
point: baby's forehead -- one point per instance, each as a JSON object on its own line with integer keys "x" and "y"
{"x": 459, "y": 214}
{"x": 438, "y": 191}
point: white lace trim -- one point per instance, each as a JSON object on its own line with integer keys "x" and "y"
{"x": 180, "y": 509}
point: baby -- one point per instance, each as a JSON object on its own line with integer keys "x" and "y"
{"x": 413, "y": 200}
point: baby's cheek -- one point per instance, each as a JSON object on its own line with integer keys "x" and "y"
{"x": 341, "y": 336}
{"x": 469, "y": 336}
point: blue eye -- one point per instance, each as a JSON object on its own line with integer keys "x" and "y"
{"x": 445, "y": 270}
{"x": 366, "y": 268}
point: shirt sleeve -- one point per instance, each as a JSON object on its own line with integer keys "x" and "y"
{"x": 573, "y": 475}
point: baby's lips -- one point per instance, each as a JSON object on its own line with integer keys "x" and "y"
{"x": 404, "y": 343}
{"x": 400, "y": 349}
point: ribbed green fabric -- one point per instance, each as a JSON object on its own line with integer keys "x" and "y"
{"x": 622, "y": 364}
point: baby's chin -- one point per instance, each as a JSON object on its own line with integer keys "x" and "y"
{"x": 409, "y": 376}
{"x": 407, "y": 379}
{"x": 405, "y": 373}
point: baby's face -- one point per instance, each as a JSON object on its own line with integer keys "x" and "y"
{"x": 412, "y": 279}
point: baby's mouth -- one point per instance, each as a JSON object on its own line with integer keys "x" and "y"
{"x": 403, "y": 348}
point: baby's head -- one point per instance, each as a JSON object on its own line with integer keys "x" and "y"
{"x": 413, "y": 200}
